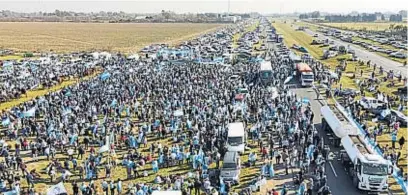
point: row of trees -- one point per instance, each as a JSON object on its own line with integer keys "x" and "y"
{"x": 349, "y": 18}
{"x": 314, "y": 14}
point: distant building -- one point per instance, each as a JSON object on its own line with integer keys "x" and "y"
{"x": 379, "y": 16}
{"x": 403, "y": 13}
{"x": 396, "y": 18}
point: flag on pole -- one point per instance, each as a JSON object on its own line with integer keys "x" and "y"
{"x": 58, "y": 189}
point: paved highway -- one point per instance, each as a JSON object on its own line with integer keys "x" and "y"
{"x": 337, "y": 179}
{"x": 363, "y": 54}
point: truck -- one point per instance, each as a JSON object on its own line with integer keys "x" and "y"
{"x": 306, "y": 75}
{"x": 368, "y": 170}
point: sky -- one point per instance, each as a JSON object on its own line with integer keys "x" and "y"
{"x": 200, "y": 6}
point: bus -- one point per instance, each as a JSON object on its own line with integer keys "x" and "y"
{"x": 266, "y": 72}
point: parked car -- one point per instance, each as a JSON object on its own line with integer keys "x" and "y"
{"x": 400, "y": 117}
{"x": 400, "y": 55}
{"x": 370, "y": 103}
{"x": 348, "y": 92}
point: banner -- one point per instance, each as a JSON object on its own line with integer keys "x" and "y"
{"x": 58, "y": 189}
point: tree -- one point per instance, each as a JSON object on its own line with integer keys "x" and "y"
{"x": 315, "y": 14}
{"x": 391, "y": 27}
{"x": 57, "y": 12}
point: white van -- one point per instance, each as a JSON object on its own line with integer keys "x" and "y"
{"x": 236, "y": 137}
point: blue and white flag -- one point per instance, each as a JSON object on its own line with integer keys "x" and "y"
{"x": 5, "y": 122}
{"x": 29, "y": 113}
{"x": 310, "y": 151}
{"x": 301, "y": 189}
{"x": 105, "y": 76}
{"x": 58, "y": 189}
{"x": 114, "y": 102}
{"x": 305, "y": 100}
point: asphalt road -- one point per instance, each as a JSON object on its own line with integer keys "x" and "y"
{"x": 363, "y": 54}
{"x": 338, "y": 181}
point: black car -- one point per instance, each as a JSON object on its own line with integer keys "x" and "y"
{"x": 348, "y": 92}
{"x": 402, "y": 90}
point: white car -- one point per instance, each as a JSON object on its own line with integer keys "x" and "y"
{"x": 234, "y": 77}
{"x": 400, "y": 55}
{"x": 371, "y": 103}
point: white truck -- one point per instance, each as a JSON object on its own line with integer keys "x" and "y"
{"x": 369, "y": 171}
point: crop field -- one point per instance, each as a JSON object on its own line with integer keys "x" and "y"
{"x": 301, "y": 38}
{"x": 375, "y": 26}
{"x": 67, "y": 37}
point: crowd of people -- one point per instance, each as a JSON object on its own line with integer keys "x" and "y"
{"x": 18, "y": 77}
{"x": 154, "y": 123}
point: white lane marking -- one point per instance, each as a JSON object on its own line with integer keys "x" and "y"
{"x": 332, "y": 168}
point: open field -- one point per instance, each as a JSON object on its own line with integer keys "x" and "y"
{"x": 375, "y": 26}
{"x": 66, "y": 37}
{"x": 301, "y": 38}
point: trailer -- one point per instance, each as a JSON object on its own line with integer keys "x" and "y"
{"x": 369, "y": 171}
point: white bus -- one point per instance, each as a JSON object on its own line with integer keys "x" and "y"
{"x": 265, "y": 72}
